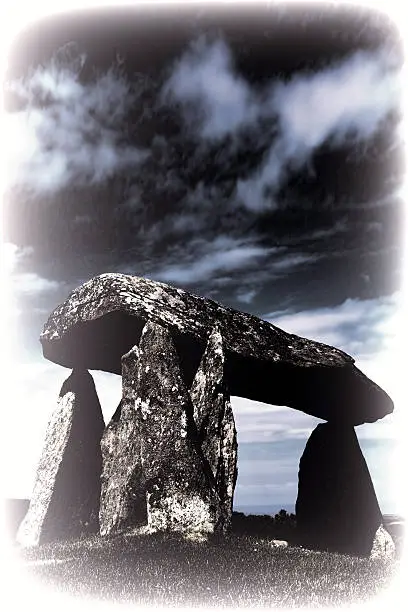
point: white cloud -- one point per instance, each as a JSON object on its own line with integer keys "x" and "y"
{"x": 356, "y": 94}
{"x": 290, "y": 262}
{"x": 207, "y": 259}
{"x": 68, "y": 131}
{"x": 31, "y": 283}
{"x": 13, "y": 256}
{"x": 246, "y": 296}
{"x": 259, "y": 422}
{"x": 22, "y": 292}
{"x": 359, "y": 327}
{"x": 21, "y": 282}
{"x": 371, "y": 332}
{"x": 349, "y": 99}
{"x": 214, "y": 98}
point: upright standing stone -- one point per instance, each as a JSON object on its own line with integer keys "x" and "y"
{"x": 180, "y": 487}
{"x": 336, "y": 507}
{"x": 65, "y": 499}
{"x": 215, "y": 422}
{"x": 123, "y": 499}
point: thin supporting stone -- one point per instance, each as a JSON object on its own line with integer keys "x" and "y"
{"x": 65, "y": 498}
{"x": 215, "y": 424}
{"x": 123, "y": 498}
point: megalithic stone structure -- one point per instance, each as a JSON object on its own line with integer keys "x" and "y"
{"x": 336, "y": 507}
{"x": 169, "y": 453}
{"x": 102, "y": 319}
{"x": 123, "y": 499}
{"x": 65, "y": 499}
{"x": 180, "y": 487}
{"x": 214, "y": 421}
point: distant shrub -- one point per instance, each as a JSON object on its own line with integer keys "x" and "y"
{"x": 280, "y": 526}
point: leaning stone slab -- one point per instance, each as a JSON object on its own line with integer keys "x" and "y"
{"x": 123, "y": 499}
{"x": 103, "y": 318}
{"x": 180, "y": 487}
{"x": 65, "y": 499}
{"x": 336, "y": 507}
{"x": 215, "y": 424}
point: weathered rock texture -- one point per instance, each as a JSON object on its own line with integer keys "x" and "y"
{"x": 336, "y": 507}
{"x": 65, "y": 499}
{"x": 102, "y": 319}
{"x": 383, "y": 545}
{"x": 159, "y": 468}
{"x": 123, "y": 499}
{"x": 214, "y": 421}
{"x": 180, "y": 487}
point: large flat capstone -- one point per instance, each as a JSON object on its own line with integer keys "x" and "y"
{"x": 103, "y": 319}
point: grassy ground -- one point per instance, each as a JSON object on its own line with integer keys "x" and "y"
{"x": 242, "y": 570}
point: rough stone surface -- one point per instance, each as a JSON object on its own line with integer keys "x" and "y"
{"x": 123, "y": 499}
{"x": 65, "y": 499}
{"x": 102, "y": 319}
{"x": 214, "y": 421}
{"x": 336, "y": 507}
{"x": 383, "y": 545}
{"x": 278, "y": 543}
{"x": 180, "y": 488}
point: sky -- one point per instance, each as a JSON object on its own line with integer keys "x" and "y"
{"x": 254, "y": 157}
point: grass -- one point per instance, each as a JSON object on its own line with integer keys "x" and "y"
{"x": 241, "y": 570}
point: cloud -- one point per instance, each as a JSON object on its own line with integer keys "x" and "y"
{"x": 362, "y": 328}
{"x": 370, "y": 331}
{"x": 21, "y": 282}
{"x": 216, "y": 260}
{"x": 290, "y": 262}
{"x": 246, "y": 296}
{"x": 13, "y": 256}
{"x": 259, "y": 422}
{"x": 348, "y": 100}
{"x": 69, "y": 131}
{"x": 213, "y": 97}
{"x": 24, "y": 294}
{"x": 205, "y": 260}
{"x": 32, "y": 283}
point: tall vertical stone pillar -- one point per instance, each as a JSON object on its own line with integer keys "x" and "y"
{"x": 123, "y": 499}
{"x": 65, "y": 499}
{"x": 180, "y": 487}
{"x": 336, "y": 507}
{"x": 215, "y": 424}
